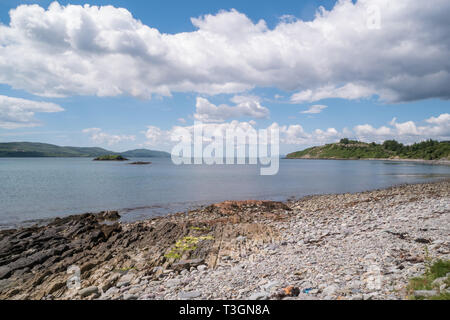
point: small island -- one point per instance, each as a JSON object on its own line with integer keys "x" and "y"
{"x": 111, "y": 157}
{"x": 140, "y": 163}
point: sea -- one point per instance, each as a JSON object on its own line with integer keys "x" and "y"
{"x": 34, "y": 190}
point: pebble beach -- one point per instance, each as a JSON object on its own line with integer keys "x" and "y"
{"x": 344, "y": 246}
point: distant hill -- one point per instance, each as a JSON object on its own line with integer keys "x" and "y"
{"x": 144, "y": 153}
{"x": 44, "y": 150}
{"x": 391, "y": 149}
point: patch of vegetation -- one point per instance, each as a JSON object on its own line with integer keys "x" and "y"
{"x": 351, "y": 149}
{"x": 185, "y": 244}
{"x": 200, "y": 229}
{"x": 438, "y": 269}
{"x": 124, "y": 270}
{"x": 110, "y": 157}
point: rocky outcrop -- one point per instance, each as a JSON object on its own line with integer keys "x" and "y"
{"x": 34, "y": 261}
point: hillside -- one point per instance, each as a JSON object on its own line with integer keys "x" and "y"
{"x": 44, "y": 150}
{"x": 144, "y": 153}
{"x": 391, "y": 149}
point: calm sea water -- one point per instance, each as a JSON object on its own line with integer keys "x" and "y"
{"x": 40, "y": 188}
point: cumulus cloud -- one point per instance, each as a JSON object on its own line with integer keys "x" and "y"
{"x": 98, "y": 136}
{"x": 407, "y": 132}
{"x": 155, "y": 136}
{"x": 158, "y": 137}
{"x": 349, "y": 91}
{"x": 443, "y": 119}
{"x": 245, "y": 106}
{"x": 19, "y": 113}
{"x": 104, "y": 51}
{"x": 314, "y": 109}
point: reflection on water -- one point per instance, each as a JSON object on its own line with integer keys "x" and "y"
{"x": 44, "y": 188}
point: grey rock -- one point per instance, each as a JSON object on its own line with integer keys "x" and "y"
{"x": 202, "y": 267}
{"x": 330, "y": 290}
{"x": 129, "y": 296}
{"x": 259, "y": 296}
{"x": 439, "y": 282}
{"x": 172, "y": 283}
{"x": 88, "y": 291}
{"x": 125, "y": 280}
{"x": 425, "y": 293}
{"x": 189, "y": 295}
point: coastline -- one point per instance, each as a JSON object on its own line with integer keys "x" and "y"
{"x": 431, "y": 162}
{"x": 324, "y": 245}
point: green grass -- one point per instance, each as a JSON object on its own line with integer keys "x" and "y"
{"x": 184, "y": 245}
{"x": 111, "y": 157}
{"x": 433, "y": 271}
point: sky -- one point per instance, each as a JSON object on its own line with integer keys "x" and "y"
{"x": 126, "y": 74}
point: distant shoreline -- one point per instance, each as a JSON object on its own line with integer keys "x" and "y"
{"x": 423, "y": 161}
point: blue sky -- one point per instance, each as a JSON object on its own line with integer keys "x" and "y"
{"x": 357, "y": 99}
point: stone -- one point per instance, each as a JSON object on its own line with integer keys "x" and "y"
{"x": 330, "y": 290}
{"x": 259, "y": 296}
{"x": 172, "y": 283}
{"x": 189, "y": 295}
{"x": 438, "y": 282}
{"x": 129, "y": 296}
{"x": 202, "y": 267}
{"x": 270, "y": 285}
{"x": 86, "y": 292}
{"x": 125, "y": 280}
{"x": 112, "y": 291}
{"x": 425, "y": 293}
{"x": 187, "y": 264}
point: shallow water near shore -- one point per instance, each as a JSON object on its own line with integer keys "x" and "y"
{"x": 33, "y": 189}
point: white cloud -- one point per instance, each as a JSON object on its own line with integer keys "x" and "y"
{"x": 443, "y": 119}
{"x": 295, "y": 134}
{"x": 406, "y": 132}
{"x": 245, "y": 106}
{"x": 19, "y": 113}
{"x": 158, "y": 137}
{"x": 349, "y": 91}
{"x": 98, "y": 136}
{"x": 104, "y": 51}
{"x": 315, "y": 109}
{"x": 155, "y": 136}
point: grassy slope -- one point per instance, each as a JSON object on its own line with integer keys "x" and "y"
{"x": 429, "y": 150}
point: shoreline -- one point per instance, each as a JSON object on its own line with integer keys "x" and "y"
{"x": 421, "y": 161}
{"x": 42, "y": 222}
{"x": 248, "y": 249}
